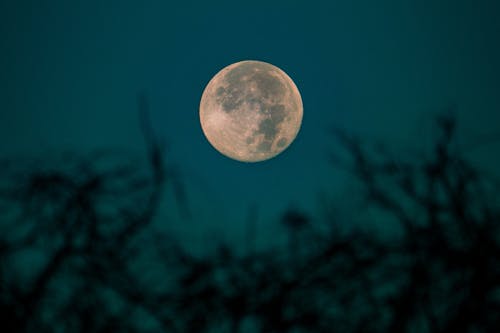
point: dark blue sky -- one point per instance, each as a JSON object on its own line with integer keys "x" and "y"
{"x": 71, "y": 71}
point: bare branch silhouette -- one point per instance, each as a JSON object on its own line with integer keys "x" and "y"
{"x": 103, "y": 267}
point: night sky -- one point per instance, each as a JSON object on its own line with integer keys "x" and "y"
{"x": 71, "y": 72}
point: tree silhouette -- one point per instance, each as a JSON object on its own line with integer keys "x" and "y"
{"x": 79, "y": 251}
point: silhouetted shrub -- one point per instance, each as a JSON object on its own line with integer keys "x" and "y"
{"x": 75, "y": 237}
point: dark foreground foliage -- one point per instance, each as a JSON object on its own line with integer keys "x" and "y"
{"x": 79, "y": 253}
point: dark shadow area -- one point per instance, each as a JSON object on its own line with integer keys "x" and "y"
{"x": 79, "y": 251}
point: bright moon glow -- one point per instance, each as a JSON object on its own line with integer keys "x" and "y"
{"x": 251, "y": 111}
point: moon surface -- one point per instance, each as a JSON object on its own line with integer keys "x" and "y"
{"x": 251, "y": 111}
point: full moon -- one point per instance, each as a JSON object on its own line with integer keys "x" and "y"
{"x": 251, "y": 111}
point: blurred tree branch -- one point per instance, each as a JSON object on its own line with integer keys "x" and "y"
{"x": 90, "y": 220}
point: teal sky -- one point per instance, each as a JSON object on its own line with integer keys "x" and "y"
{"x": 71, "y": 70}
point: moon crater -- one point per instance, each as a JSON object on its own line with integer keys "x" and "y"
{"x": 251, "y": 111}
